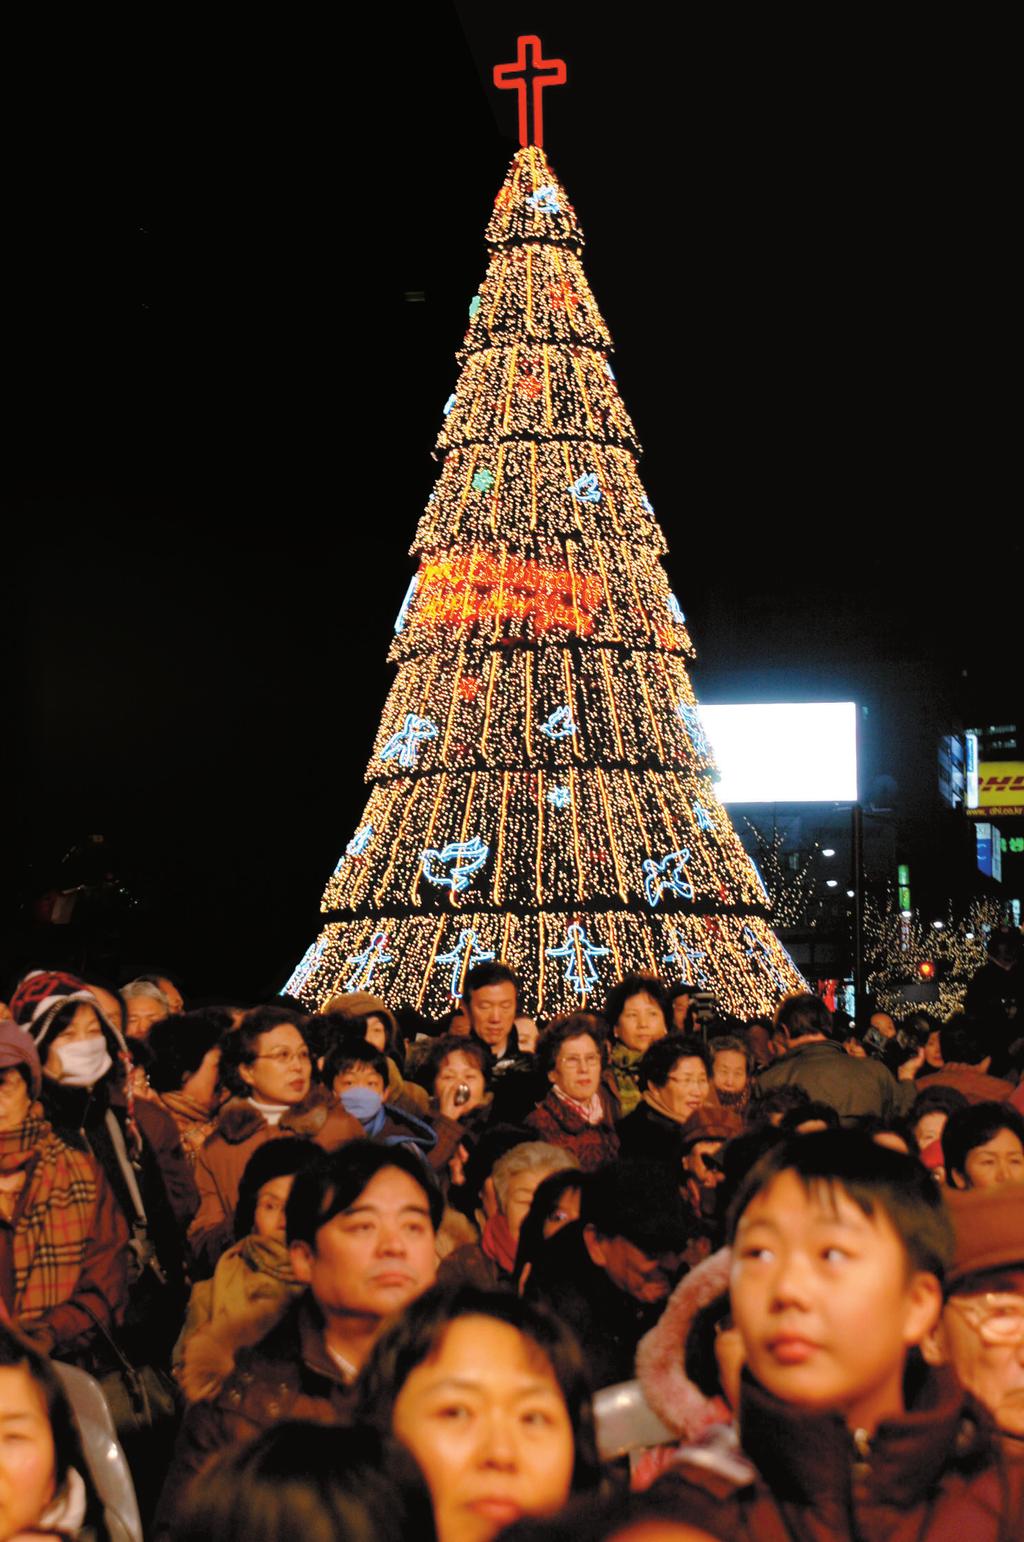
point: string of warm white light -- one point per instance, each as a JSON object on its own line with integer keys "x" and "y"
{"x": 895, "y": 944}
{"x": 541, "y": 790}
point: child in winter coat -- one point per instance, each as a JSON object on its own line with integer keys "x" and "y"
{"x": 838, "y": 1252}
{"x": 253, "y": 1282}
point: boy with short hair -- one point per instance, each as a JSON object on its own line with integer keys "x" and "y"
{"x": 839, "y": 1249}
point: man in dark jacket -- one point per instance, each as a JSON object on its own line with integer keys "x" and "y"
{"x": 815, "y": 1062}
{"x": 361, "y": 1235}
{"x": 610, "y": 1273}
{"x": 995, "y": 999}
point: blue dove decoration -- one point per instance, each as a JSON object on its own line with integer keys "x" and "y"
{"x": 463, "y": 858}
{"x": 404, "y": 746}
{"x": 667, "y": 876}
{"x": 585, "y": 489}
{"x": 544, "y": 200}
{"x": 559, "y": 725}
{"x": 690, "y": 719}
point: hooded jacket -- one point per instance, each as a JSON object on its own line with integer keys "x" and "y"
{"x": 933, "y": 1474}
{"x": 661, "y": 1354}
{"x": 241, "y": 1129}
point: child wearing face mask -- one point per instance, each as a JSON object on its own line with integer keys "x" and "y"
{"x": 357, "y": 1075}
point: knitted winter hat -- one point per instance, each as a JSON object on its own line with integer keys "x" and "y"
{"x": 40, "y": 1026}
{"x": 17, "y": 1048}
{"x": 37, "y": 986}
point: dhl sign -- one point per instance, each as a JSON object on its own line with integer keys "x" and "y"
{"x": 477, "y": 586}
{"x": 1000, "y": 788}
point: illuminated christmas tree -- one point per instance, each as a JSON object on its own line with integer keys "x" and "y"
{"x": 541, "y": 790}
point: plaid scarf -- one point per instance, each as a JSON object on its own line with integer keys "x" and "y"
{"x": 51, "y": 1218}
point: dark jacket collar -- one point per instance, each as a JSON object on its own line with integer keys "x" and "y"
{"x": 811, "y": 1457}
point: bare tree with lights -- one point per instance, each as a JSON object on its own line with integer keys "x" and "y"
{"x": 541, "y": 789}
{"x": 903, "y": 949}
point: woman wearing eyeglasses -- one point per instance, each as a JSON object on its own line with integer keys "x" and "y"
{"x": 266, "y": 1064}
{"x": 579, "y": 1111}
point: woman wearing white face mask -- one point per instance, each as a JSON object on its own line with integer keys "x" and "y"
{"x": 62, "y": 1240}
{"x": 87, "y": 1097}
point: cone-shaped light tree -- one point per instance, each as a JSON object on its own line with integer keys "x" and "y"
{"x": 541, "y": 790}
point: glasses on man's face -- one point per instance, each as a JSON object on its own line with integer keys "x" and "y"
{"x": 997, "y": 1319}
{"x": 284, "y": 1057}
{"x": 579, "y": 1062}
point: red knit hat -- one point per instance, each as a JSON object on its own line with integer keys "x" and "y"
{"x": 37, "y": 986}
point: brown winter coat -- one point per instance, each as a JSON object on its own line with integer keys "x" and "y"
{"x": 935, "y": 1474}
{"x": 289, "y": 1374}
{"x": 241, "y": 1130}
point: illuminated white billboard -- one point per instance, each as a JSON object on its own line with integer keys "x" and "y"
{"x": 785, "y": 752}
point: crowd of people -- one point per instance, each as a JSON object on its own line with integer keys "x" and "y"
{"x": 643, "y": 1273}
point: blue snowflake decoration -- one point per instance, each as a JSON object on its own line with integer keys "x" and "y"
{"x": 367, "y": 961}
{"x": 645, "y": 504}
{"x": 579, "y": 953}
{"x": 304, "y": 968}
{"x": 462, "y": 958}
{"x": 474, "y": 307}
{"x": 690, "y": 719}
{"x": 404, "y": 746}
{"x": 449, "y": 404}
{"x": 759, "y": 952}
{"x": 544, "y": 200}
{"x": 585, "y": 489}
{"x": 608, "y": 370}
{"x": 559, "y": 725}
{"x": 667, "y": 877}
{"x": 675, "y": 610}
{"x": 454, "y": 865}
{"x": 403, "y": 614}
{"x": 483, "y": 480}
{"x": 560, "y": 797}
{"x": 703, "y": 818}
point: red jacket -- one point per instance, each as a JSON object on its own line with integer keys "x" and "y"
{"x": 558, "y": 1123}
{"x": 935, "y": 1474}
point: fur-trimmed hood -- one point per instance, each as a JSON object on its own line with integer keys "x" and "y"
{"x": 661, "y": 1353}
{"x": 240, "y": 1119}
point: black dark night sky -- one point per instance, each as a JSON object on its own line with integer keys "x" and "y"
{"x": 226, "y": 404}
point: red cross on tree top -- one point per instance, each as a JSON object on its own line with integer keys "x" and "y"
{"x": 528, "y": 76}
